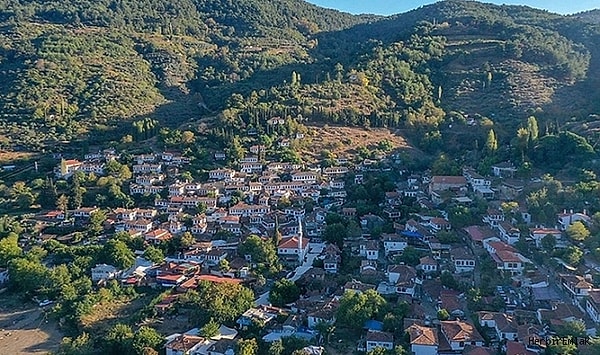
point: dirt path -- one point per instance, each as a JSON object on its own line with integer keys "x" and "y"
{"x": 27, "y": 331}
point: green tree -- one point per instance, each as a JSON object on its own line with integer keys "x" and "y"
{"x": 283, "y": 292}
{"x": 522, "y": 140}
{"x": 116, "y": 253}
{"x": 154, "y": 254}
{"x": 378, "y": 351}
{"x": 443, "y": 314}
{"x": 335, "y": 233}
{"x": 261, "y": 252}
{"x": 410, "y": 256}
{"x": 325, "y": 330}
{"x": 81, "y": 345}
{"x": 9, "y": 249}
{"x": 224, "y": 265}
{"x": 576, "y": 328}
{"x": 293, "y": 344}
{"x": 548, "y": 242}
{"x": 119, "y": 339}
{"x": 276, "y": 348}
{"x": 62, "y": 203}
{"x": 187, "y": 240}
{"x": 448, "y": 280}
{"x": 48, "y": 194}
{"x": 27, "y": 275}
{"x": 145, "y": 338}
{"x": 224, "y": 302}
{"x": 247, "y": 347}
{"x": 187, "y": 137}
{"x": 210, "y": 329}
{"x": 96, "y": 223}
{"x": 558, "y": 347}
{"x": 578, "y": 231}
{"x": 356, "y": 308}
{"x": 443, "y": 165}
{"x": 573, "y": 255}
{"x": 491, "y": 143}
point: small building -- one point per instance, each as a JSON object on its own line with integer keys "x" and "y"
{"x": 378, "y": 339}
{"x": 104, "y": 272}
{"x": 458, "y": 334}
{"x": 463, "y": 259}
{"x": 423, "y": 340}
{"x": 393, "y": 243}
{"x": 428, "y": 264}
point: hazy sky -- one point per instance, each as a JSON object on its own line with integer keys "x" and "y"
{"x": 388, "y": 7}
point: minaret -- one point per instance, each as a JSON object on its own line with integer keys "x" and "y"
{"x": 300, "y": 236}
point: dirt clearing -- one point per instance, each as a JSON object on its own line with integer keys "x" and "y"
{"x": 26, "y": 330}
{"x": 343, "y": 141}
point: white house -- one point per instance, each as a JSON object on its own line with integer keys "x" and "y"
{"x": 509, "y": 233}
{"x": 369, "y": 250}
{"x": 505, "y": 169}
{"x": 493, "y": 217}
{"x": 463, "y": 259}
{"x": 509, "y": 262}
{"x": 506, "y": 326}
{"x": 325, "y": 314}
{"x": 305, "y": 176}
{"x": 423, "y": 340}
{"x": 428, "y": 264}
{"x": 592, "y": 305}
{"x": 537, "y": 234}
{"x": 104, "y": 272}
{"x": 459, "y": 333}
{"x": 379, "y": 339}
{"x": 565, "y": 219}
{"x": 404, "y": 277}
{"x": 393, "y": 243}
{"x": 577, "y": 286}
{"x": 183, "y": 344}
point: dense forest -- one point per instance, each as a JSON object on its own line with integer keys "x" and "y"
{"x": 80, "y": 69}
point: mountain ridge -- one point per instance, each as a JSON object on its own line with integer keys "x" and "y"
{"x": 177, "y": 61}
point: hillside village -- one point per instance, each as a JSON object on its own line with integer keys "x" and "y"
{"x": 471, "y": 288}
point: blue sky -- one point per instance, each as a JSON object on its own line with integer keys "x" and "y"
{"x": 388, "y": 7}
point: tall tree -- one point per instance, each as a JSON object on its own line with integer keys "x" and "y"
{"x": 532, "y": 128}
{"x": 62, "y": 203}
{"x": 491, "y": 143}
{"x": 48, "y": 194}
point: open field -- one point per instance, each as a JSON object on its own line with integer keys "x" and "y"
{"x": 24, "y": 329}
{"x": 343, "y": 141}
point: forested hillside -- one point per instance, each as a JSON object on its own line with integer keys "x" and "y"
{"x": 77, "y": 69}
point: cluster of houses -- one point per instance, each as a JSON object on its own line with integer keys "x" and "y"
{"x": 265, "y": 198}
